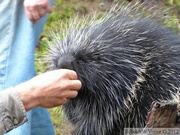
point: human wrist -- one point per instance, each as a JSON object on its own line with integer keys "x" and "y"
{"x": 26, "y": 94}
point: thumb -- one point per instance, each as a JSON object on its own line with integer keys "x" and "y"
{"x": 48, "y": 8}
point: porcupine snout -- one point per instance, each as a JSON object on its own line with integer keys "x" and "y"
{"x": 65, "y": 62}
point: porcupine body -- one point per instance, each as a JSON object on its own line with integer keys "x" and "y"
{"x": 124, "y": 63}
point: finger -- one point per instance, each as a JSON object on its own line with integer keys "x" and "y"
{"x": 53, "y": 102}
{"x": 35, "y": 15}
{"x": 72, "y": 75}
{"x": 72, "y": 94}
{"x": 42, "y": 12}
{"x": 28, "y": 11}
{"x": 68, "y": 94}
{"x": 66, "y": 73}
{"x": 75, "y": 85}
{"x": 48, "y": 8}
{"x": 34, "y": 21}
{"x": 28, "y": 14}
{"x": 62, "y": 101}
{"x": 30, "y": 17}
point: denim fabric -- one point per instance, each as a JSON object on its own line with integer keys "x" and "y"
{"x": 18, "y": 39}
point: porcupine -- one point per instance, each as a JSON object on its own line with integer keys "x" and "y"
{"x": 124, "y": 62}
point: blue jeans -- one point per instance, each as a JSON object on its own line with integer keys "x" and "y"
{"x": 18, "y": 39}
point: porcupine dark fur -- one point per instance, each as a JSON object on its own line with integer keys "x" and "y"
{"x": 124, "y": 62}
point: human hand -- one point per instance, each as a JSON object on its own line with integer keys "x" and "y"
{"x": 35, "y": 9}
{"x": 50, "y": 89}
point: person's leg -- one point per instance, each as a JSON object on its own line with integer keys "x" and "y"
{"x": 8, "y": 11}
{"x": 41, "y": 122}
{"x": 18, "y": 40}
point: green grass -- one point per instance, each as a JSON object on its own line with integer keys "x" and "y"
{"x": 61, "y": 124}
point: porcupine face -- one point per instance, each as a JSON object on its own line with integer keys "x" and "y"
{"x": 124, "y": 64}
{"x": 97, "y": 55}
{"x": 103, "y": 66}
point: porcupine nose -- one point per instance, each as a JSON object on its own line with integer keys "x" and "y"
{"x": 65, "y": 62}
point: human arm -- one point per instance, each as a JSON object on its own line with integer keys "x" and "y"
{"x": 46, "y": 90}
{"x": 12, "y": 112}
{"x": 35, "y": 9}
